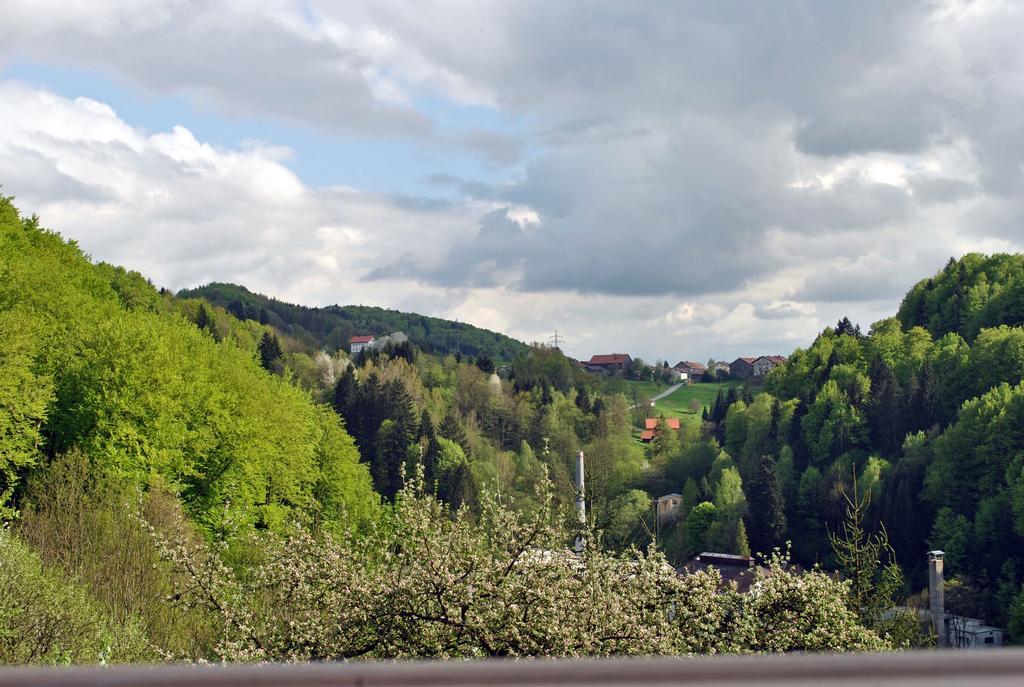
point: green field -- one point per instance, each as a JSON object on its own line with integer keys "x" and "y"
{"x": 676, "y": 404}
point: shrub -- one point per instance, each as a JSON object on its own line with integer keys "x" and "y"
{"x": 47, "y": 619}
{"x": 88, "y": 525}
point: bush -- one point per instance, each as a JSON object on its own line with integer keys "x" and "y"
{"x": 47, "y": 619}
{"x": 88, "y": 525}
{"x": 435, "y": 584}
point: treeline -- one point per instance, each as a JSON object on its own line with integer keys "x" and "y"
{"x": 924, "y": 413}
{"x": 331, "y": 327}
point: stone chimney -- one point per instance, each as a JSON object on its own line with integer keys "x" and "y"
{"x": 936, "y": 596}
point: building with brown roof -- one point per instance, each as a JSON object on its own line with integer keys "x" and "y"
{"x": 766, "y": 363}
{"x": 611, "y": 363}
{"x": 694, "y": 371}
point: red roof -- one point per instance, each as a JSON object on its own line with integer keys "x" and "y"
{"x": 749, "y": 361}
{"x": 610, "y": 359}
{"x": 647, "y": 435}
{"x": 361, "y": 339}
{"x": 690, "y": 365}
{"x": 670, "y": 422}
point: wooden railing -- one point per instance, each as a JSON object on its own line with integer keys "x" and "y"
{"x": 992, "y": 668}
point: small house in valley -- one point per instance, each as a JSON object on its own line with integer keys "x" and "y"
{"x": 651, "y": 426}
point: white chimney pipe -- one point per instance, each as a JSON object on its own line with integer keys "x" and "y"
{"x": 581, "y": 502}
{"x": 936, "y": 595}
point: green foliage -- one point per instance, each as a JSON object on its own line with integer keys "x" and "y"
{"x": 967, "y": 296}
{"x": 698, "y": 524}
{"x": 767, "y": 508}
{"x": 47, "y": 619}
{"x": 25, "y": 395}
{"x": 112, "y": 370}
{"x": 88, "y": 526}
{"x": 869, "y": 563}
{"x": 331, "y": 327}
{"x": 270, "y": 353}
{"x": 630, "y": 514}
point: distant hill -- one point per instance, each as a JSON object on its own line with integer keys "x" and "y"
{"x": 332, "y": 326}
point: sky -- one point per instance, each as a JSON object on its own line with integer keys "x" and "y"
{"x": 674, "y": 180}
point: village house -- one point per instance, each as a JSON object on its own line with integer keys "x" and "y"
{"x": 651, "y": 427}
{"x": 612, "y": 363}
{"x": 721, "y": 368}
{"x": 766, "y": 363}
{"x": 694, "y": 371}
{"x": 742, "y": 368}
{"x": 357, "y": 343}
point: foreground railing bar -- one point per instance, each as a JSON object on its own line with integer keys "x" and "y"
{"x": 993, "y": 668}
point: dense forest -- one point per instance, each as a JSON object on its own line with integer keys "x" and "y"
{"x": 331, "y": 327}
{"x": 184, "y": 479}
{"x": 926, "y": 412}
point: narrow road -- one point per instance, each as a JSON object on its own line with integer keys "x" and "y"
{"x": 667, "y": 392}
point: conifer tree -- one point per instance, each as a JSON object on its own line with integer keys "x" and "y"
{"x": 741, "y": 547}
{"x": 885, "y": 411}
{"x": 386, "y": 465}
{"x": 270, "y": 353}
{"x": 425, "y": 430}
{"x": 345, "y": 391}
{"x": 451, "y": 429}
{"x": 202, "y": 317}
{"x": 868, "y": 562}
{"x": 767, "y": 509}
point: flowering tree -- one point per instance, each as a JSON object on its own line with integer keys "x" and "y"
{"x": 426, "y": 582}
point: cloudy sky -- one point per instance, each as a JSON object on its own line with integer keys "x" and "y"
{"x": 673, "y": 180}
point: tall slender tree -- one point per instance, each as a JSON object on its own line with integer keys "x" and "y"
{"x": 767, "y": 509}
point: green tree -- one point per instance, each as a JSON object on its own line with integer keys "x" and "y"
{"x": 868, "y": 562}
{"x": 767, "y": 509}
{"x": 270, "y": 353}
{"x": 698, "y": 523}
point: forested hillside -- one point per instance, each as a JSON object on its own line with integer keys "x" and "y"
{"x": 927, "y": 410}
{"x": 332, "y": 326}
{"x": 178, "y": 483}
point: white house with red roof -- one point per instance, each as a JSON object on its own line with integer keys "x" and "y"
{"x": 357, "y": 343}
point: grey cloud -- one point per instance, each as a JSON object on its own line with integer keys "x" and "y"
{"x": 931, "y": 189}
{"x": 500, "y": 149}
{"x": 37, "y": 179}
{"x": 243, "y": 63}
{"x": 858, "y": 283}
{"x": 780, "y": 311}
